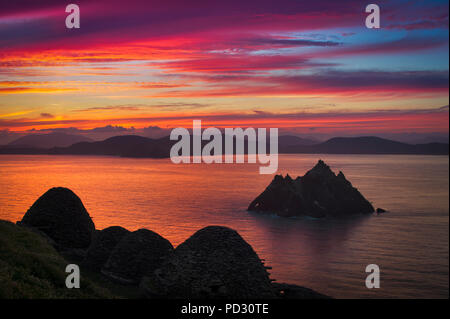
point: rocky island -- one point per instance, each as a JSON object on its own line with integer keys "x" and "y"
{"x": 215, "y": 262}
{"x": 319, "y": 193}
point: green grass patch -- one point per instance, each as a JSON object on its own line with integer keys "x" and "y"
{"x": 31, "y": 268}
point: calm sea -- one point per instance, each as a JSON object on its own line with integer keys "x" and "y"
{"x": 410, "y": 244}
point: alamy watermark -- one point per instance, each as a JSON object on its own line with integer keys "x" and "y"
{"x": 373, "y": 19}
{"x": 73, "y": 279}
{"x": 215, "y": 152}
{"x": 73, "y": 19}
{"x": 373, "y": 279}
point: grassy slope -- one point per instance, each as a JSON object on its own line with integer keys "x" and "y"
{"x": 31, "y": 268}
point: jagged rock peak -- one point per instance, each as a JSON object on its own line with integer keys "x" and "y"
{"x": 321, "y": 169}
{"x": 277, "y": 179}
{"x": 319, "y": 193}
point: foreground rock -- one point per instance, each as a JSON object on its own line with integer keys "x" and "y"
{"x": 213, "y": 263}
{"x": 61, "y": 216}
{"x": 102, "y": 246}
{"x": 319, "y": 193}
{"x": 137, "y": 254}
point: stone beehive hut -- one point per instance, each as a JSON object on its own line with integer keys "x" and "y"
{"x": 216, "y": 262}
{"x": 61, "y": 215}
{"x": 138, "y": 253}
{"x": 102, "y": 246}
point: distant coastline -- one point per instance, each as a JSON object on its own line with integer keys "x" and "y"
{"x": 143, "y": 147}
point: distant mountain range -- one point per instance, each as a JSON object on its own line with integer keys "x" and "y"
{"x": 291, "y": 140}
{"x": 124, "y": 146}
{"x": 138, "y": 146}
{"x": 48, "y": 140}
{"x": 366, "y": 145}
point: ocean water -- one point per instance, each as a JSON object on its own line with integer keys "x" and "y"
{"x": 410, "y": 244}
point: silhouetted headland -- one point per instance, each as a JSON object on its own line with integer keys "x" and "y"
{"x": 319, "y": 193}
{"x": 216, "y": 262}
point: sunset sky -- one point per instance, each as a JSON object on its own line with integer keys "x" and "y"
{"x": 307, "y": 67}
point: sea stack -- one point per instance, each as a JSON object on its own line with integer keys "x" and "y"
{"x": 61, "y": 216}
{"x": 319, "y": 193}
